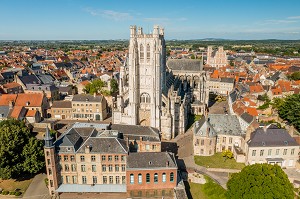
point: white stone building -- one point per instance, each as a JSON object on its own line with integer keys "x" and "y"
{"x": 149, "y": 93}
{"x": 216, "y": 58}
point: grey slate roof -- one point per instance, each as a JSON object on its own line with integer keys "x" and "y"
{"x": 247, "y": 117}
{"x": 135, "y": 131}
{"x": 227, "y": 80}
{"x": 233, "y": 95}
{"x": 151, "y": 160}
{"x": 4, "y": 111}
{"x": 46, "y": 78}
{"x": 104, "y": 145}
{"x": 271, "y": 137}
{"x": 29, "y": 79}
{"x": 185, "y": 64}
{"x": 218, "y": 124}
{"x": 86, "y": 97}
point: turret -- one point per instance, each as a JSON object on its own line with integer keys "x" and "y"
{"x": 156, "y": 31}
{"x": 48, "y": 139}
{"x": 140, "y": 31}
{"x": 132, "y": 31}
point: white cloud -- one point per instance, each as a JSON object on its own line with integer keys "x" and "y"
{"x": 280, "y": 21}
{"x": 110, "y": 14}
{"x": 294, "y": 17}
{"x": 154, "y": 19}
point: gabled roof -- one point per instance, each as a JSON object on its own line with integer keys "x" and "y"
{"x": 30, "y": 99}
{"x": 185, "y": 64}
{"x": 153, "y": 160}
{"x": 271, "y": 137}
{"x": 87, "y": 97}
{"x": 62, "y": 104}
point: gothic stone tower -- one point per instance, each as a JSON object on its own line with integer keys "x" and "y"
{"x": 146, "y": 64}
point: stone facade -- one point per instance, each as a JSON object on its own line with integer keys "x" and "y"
{"x": 216, "y": 58}
{"x": 149, "y": 93}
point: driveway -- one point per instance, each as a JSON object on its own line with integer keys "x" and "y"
{"x": 37, "y": 189}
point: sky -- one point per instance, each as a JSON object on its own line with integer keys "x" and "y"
{"x": 184, "y": 19}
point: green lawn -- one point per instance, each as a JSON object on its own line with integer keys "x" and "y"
{"x": 12, "y": 184}
{"x": 217, "y": 161}
{"x": 209, "y": 190}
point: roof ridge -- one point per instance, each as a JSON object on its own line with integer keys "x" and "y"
{"x": 120, "y": 144}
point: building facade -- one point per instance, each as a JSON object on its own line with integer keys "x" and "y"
{"x": 216, "y": 58}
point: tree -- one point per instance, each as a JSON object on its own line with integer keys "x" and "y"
{"x": 18, "y": 145}
{"x": 114, "y": 85}
{"x": 289, "y": 110}
{"x": 260, "y": 181}
{"x": 227, "y": 154}
{"x": 95, "y": 86}
{"x": 294, "y": 76}
{"x": 193, "y": 57}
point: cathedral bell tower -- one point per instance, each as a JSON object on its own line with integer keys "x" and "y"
{"x": 147, "y": 67}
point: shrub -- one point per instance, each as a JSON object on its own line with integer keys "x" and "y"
{"x": 12, "y": 193}
{"x": 46, "y": 182}
{"x": 5, "y": 192}
{"x": 18, "y": 193}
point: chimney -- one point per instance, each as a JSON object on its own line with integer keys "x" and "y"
{"x": 141, "y": 138}
{"x": 95, "y": 94}
{"x": 11, "y": 104}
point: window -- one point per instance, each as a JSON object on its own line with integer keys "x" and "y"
{"x": 65, "y": 158}
{"x": 93, "y": 168}
{"x": 93, "y": 158}
{"x": 48, "y": 153}
{"x": 218, "y": 140}
{"x": 67, "y": 179}
{"x": 103, "y": 158}
{"x": 117, "y": 179}
{"x": 116, "y": 167}
{"x": 83, "y": 179}
{"x": 82, "y": 158}
{"x": 74, "y": 179}
{"x": 123, "y": 179}
{"x": 201, "y": 151}
{"x": 148, "y": 178}
{"x": 277, "y": 151}
{"x": 48, "y": 162}
{"x": 202, "y": 142}
{"x": 72, "y": 158}
{"x": 270, "y": 152}
{"x": 110, "y": 168}
{"x": 261, "y": 153}
{"x": 153, "y": 147}
{"x": 104, "y": 179}
{"x": 284, "y": 151}
{"x": 230, "y": 140}
{"x": 224, "y": 140}
{"x": 103, "y": 168}
{"x": 67, "y": 167}
{"x": 50, "y": 171}
{"x": 148, "y": 52}
{"x": 164, "y": 177}
{"x": 94, "y": 179}
{"x": 123, "y": 158}
{"x": 83, "y": 168}
{"x": 116, "y": 158}
{"x": 51, "y": 183}
{"x": 147, "y": 147}
{"x": 253, "y": 152}
{"x": 141, "y": 51}
{"x": 123, "y": 167}
{"x": 111, "y": 179}
{"x": 155, "y": 178}
{"x": 73, "y": 167}
{"x": 140, "y": 178}
{"x": 292, "y": 151}
{"x": 131, "y": 179}
{"x": 210, "y": 142}
{"x": 171, "y": 177}
{"x": 109, "y": 158}
{"x": 145, "y": 98}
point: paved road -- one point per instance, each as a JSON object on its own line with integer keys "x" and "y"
{"x": 37, "y": 189}
{"x": 186, "y": 158}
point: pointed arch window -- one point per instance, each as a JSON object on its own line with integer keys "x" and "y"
{"x": 141, "y": 51}
{"x": 145, "y": 98}
{"x": 148, "y": 52}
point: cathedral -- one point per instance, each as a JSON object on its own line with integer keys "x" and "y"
{"x": 150, "y": 94}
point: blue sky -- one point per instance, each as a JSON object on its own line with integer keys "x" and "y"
{"x": 110, "y": 19}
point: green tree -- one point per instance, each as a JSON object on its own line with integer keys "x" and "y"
{"x": 260, "y": 181}
{"x": 18, "y": 145}
{"x": 95, "y": 86}
{"x": 289, "y": 110}
{"x": 227, "y": 154}
{"x": 294, "y": 76}
{"x": 114, "y": 85}
{"x": 193, "y": 57}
